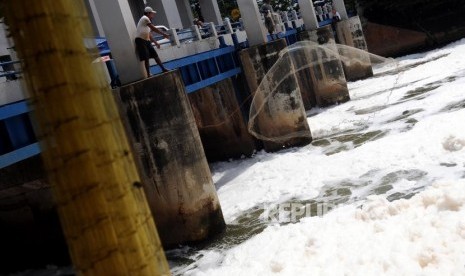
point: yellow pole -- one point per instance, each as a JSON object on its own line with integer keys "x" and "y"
{"x": 102, "y": 207}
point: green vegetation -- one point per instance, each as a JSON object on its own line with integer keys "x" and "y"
{"x": 282, "y": 5}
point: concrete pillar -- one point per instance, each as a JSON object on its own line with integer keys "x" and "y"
{"x": 341, "y": 8}
{"x": 284, "y": 113}
{"x": 185, "y": 13}
{"x": 252, "y": 20}
{"x": 210, "y": 11}
{"x": 167, "y": 13}
{"x": 120, "y": 31}
{"x": 94, "y": 17}
{"x": 174, "y": 170}
{"x": 307, "y": 11}
{"x": 137, "y": 8}
{"x": 323, "y": 83}
{"x": 221, "y": 125}
{"x": 356, "y": 64}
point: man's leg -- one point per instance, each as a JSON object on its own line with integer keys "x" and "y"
{"x": 147, "y": 67}
{"x": 154, "y": 55}
{"x": 157, "y": 59}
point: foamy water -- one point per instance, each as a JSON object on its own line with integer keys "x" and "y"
{"x": 393, "y": 162}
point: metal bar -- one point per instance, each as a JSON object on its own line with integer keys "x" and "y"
{"x": 9, "y": 62}
{"x": 19, "y": 155}
{"x": 10, "y": 73}
{"x": 209, "y": 81}
{"x": 11, "y": 110}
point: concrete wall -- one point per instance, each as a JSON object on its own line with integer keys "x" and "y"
{"x": 187, "y": 49}
{"x": 391, "y": 41}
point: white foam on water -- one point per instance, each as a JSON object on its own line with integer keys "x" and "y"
{"x": 418, "y": 121}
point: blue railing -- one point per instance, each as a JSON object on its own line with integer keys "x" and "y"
{"x": 102, "y": 46}
{"x": 7, "y": 70}
{"x": 290, "y": 35}
{"x": 17, "y": 138}
{"x": 325, "y": 22}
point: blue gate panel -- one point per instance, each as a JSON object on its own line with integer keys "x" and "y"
{"x": 19, "y": 129}
{"x": 19, "y": 155}
{"x": 5, "y": 142}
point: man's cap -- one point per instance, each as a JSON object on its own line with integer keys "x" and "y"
{"x": 149, "y": 10}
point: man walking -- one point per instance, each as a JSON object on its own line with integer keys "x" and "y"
{"x": 144, "y": 40}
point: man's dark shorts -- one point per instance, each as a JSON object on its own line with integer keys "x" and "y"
{"x": 145, "y": 49}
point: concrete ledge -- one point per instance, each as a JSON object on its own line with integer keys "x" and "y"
{"x": 324, "y": 83}
{"x": 350, "y": 33}
{"x": 219, "y": 118}
{"x": 11, "y": 91}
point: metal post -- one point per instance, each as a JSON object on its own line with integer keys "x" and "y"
{"x": 174, "y": 37}
{"x": 103, "y": 209}
{"x": 196, "y": 31}
{"x": 227, "y": 24}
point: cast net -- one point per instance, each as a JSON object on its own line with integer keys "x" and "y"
{"x": 306, "y": 74}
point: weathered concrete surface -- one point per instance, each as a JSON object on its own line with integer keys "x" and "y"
{"x": 324, "y": 83}
{"x": 284, "y": 114}
{"x": 220, "y": 122}
{"x": 390, "y": 41}
{"x": 175, "y": 172}
{"x": 400, "y": 25}
{"x": 358, "y": 65}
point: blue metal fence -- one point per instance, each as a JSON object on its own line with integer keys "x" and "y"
{"x": 17, "y": 138}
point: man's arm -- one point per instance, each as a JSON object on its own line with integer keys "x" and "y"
{"x": 156, "y": 44}
{"x": 154, "y": 29}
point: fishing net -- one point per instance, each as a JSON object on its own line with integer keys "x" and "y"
{"x": 277, "y": 105}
